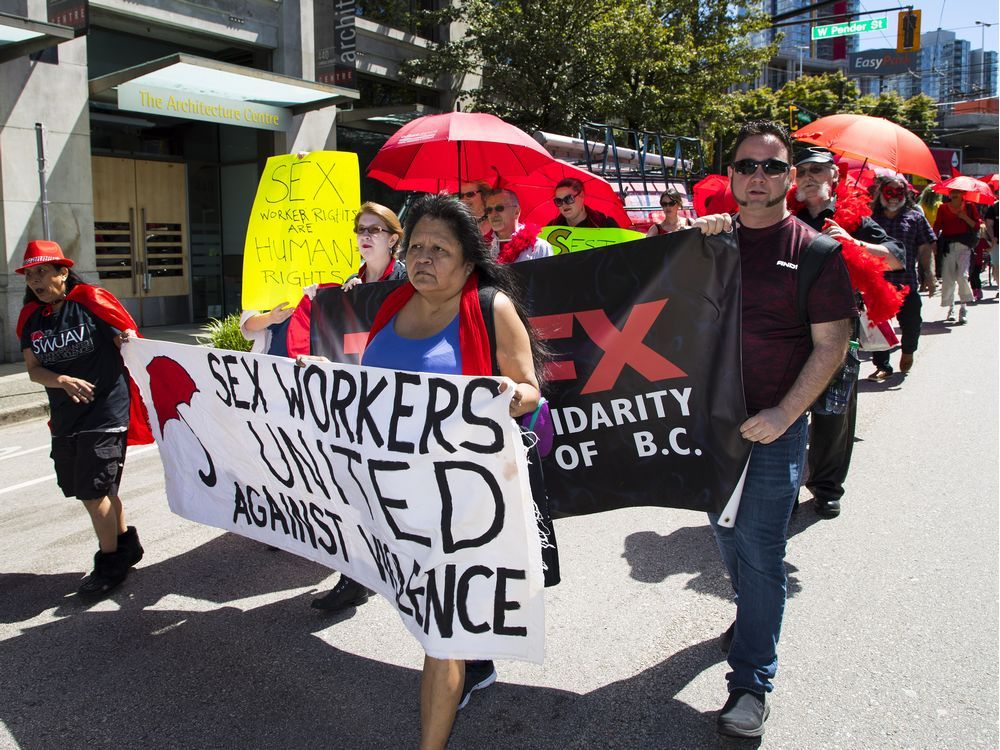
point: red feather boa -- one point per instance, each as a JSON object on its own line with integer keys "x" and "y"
{"x": 523, "y": 239}
{"x": 881, "y": 297}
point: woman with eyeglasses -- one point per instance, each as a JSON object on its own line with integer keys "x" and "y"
{"x": 573, "y": 210}
{"x": 670, "y": 202}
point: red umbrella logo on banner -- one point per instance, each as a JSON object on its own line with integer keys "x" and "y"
{"x": 170, "y": 385}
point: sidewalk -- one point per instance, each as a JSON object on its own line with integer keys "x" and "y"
{"x": 20, "y": 399}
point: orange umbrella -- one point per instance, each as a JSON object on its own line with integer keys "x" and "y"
{"x": 873, "y": 139}
{"x": 974, "y": 191}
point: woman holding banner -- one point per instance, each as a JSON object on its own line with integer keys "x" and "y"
{"x": 457, "y": 303}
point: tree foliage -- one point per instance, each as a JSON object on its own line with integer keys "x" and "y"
{"x": 648, "y": 64}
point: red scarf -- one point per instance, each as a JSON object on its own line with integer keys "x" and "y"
{"x": 385, "y": 273}
{"x": 106, "y": 307}
{"x": 473, "y": 339}
{"x": 523, "y": 239}
{"x": 882, "y": 299}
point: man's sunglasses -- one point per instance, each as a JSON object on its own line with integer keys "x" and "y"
{"x": 499, "y": 208}
{"x": 568, "y": 200}
{"x": 771, "y": 167}
{"x": 668, "y": 204}
{"x": 894, "y": 193}
{"x": 466, "y": 195}
{"x": 813, "y": 169}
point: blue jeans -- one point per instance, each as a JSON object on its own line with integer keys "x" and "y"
{"x": 754, "y": 554}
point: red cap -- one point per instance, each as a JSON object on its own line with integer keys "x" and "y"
{"x": 43, "y": 251}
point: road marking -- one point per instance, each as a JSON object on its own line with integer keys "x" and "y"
{"x": 48, "y": 477}
{"x": 14, "y": 452}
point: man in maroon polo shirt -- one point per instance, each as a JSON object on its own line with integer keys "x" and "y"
{"x": 786, "y": 365}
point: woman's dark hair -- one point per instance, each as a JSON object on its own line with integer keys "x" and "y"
{"x": 460, "y": 220}
{"x": 71, "y": 281}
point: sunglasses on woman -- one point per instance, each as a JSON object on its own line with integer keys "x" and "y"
{"x": 668, "y": 204}
{"x": 466, "y": 195}
{"x": 373, "y": 231}
{"x": 568, "y": 200}
{"x": 771, "y": 167}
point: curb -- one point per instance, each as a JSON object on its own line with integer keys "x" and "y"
{"x": 23, "y": 413}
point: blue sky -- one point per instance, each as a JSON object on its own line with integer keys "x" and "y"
{"x": 953, "y": 15}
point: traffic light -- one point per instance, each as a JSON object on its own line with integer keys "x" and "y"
{"x": 908, "y": 31}
{"x": 799, "y": 116}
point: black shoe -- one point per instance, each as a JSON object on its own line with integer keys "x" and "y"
{"x": 827, "y": 508}
{"x": 744, "y": 714}
{"x": 478, "y": 675}
{"x": 110, "y": 569}
{"x": 726, "y": 639}
{"x": 129, "y": 546}
{"x": 347, "y": 593}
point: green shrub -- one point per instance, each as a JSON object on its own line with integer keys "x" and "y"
{"x": 224, "y": 334}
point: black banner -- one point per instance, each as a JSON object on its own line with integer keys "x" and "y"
{"x": 335, "y": 41}
{"x": 645, "y": 382}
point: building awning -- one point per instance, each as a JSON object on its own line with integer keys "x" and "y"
{"x": 386, "y": 120}
{"x": 190, "y": 87}
{"x": 22, "y": 36}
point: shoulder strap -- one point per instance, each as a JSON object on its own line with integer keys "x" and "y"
{"x": 811, "y": 260}
{"x": 487, "y": 296}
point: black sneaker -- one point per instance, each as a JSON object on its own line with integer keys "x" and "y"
{"x": 128, "y": 544}
{"x": 827, "y": 508}
{"x": 347, "y": 593}
{"x": 726, "y": 639}
{"x": 110, "y": 569}
{"x": 744, "y": 714}
{"x": 478, "y": 675}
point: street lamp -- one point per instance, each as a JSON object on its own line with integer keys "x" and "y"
{"x": 800, "y": 48}
{"x": 982, "y": 49}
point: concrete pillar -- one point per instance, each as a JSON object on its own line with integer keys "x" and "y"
{"x": 56, "y": 96}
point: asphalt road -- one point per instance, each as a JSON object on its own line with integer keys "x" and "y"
{"x": 890, "y": 639}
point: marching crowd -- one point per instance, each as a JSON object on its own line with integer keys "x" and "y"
{"x": 799, "y": 334}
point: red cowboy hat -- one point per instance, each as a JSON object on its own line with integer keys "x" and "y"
{"x": 43, "y": 251}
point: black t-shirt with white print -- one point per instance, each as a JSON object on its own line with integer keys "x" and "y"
{"x": 73, "y": 341}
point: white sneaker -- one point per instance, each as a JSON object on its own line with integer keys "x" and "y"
{"x": 962, "y": 315}
{"x": 951, "y": 313}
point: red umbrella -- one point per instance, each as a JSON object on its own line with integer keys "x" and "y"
{"x": 872, "y": 139}
{"x": 993, "y": 180}
{"x": 534, "y": 192}
{"x": 435, "y": 152}
{"x": 975, "y": 191}
{"x": 712, "y": 195}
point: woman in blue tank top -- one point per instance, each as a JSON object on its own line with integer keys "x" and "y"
{"x": 436, "y": 324}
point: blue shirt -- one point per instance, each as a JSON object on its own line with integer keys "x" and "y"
{"x": 438, "y": 354}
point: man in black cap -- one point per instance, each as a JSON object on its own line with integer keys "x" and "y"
{"x": 831, "y": 436}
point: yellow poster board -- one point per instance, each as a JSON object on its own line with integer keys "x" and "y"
{"x": 575, "y": 239}
{"x": 301, "y": 228}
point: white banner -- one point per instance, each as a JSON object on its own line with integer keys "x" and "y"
{"x": 413, "y": 484}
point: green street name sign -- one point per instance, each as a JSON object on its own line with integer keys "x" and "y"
{"x": 851, "y": 27}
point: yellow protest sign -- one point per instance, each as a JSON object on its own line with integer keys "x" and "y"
{"x": 301, "y": 228}
{"x": 575, "y": 239}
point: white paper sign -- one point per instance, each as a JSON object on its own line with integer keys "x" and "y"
{"x": 413, "y": 484}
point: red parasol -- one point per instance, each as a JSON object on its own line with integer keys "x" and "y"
{"x": 170, "y": 385}
{"x": 432, "y": 152}
{"x": 712, "y": 195}
{"x": 993, "y": 180}
{"x": 872, "y": 139}
{"x": 974, "y": 191}
{"x": 534, "y": 192}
